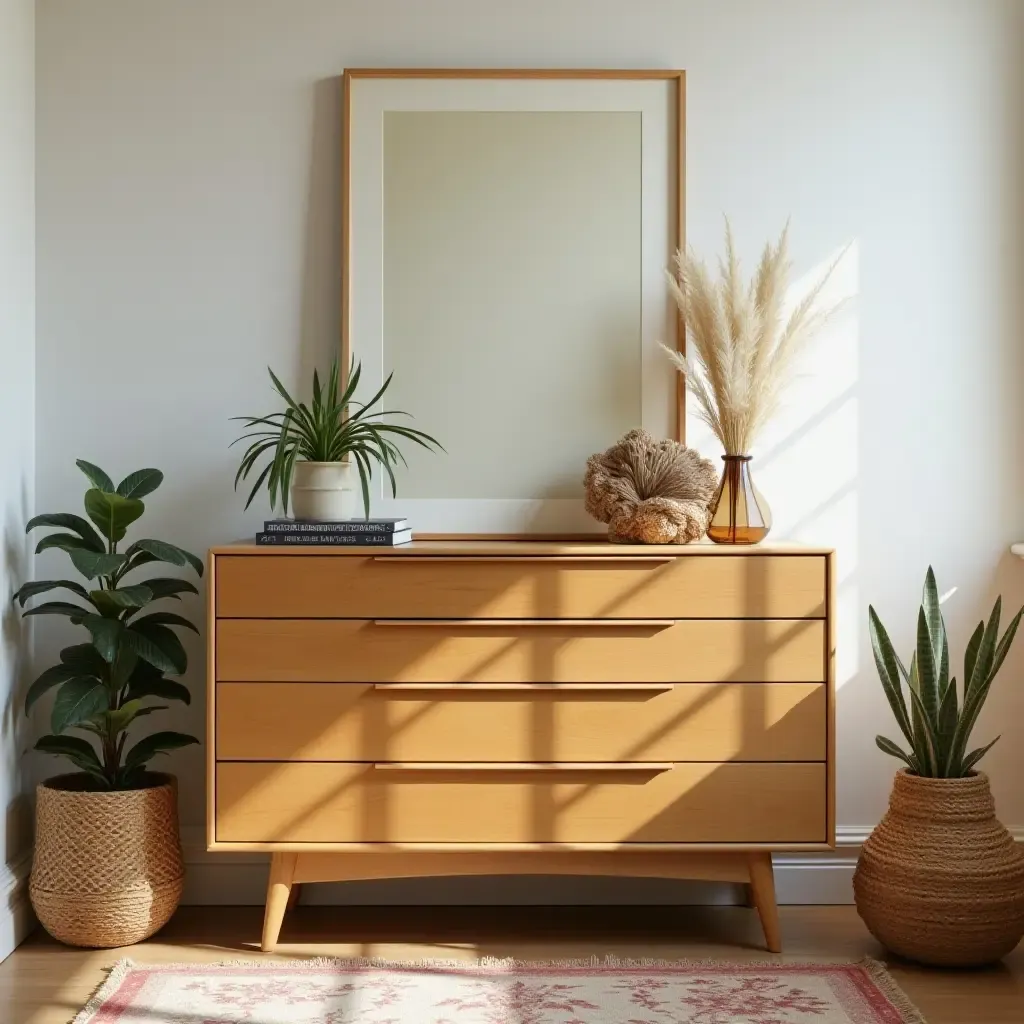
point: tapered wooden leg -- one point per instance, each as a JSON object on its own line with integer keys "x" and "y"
{"x": 762, "y": 887}
{"x": 293, "y": 896}
{"x": 282, "y": 871}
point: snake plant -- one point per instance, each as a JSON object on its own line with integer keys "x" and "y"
{"x": 935, "y": 717}
{"x": 333, "y": 428}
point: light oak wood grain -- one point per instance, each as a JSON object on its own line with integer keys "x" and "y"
{"x": 461, "y": 722}
{"x": 527, "y": 585}
{"x": 318, "y": 802}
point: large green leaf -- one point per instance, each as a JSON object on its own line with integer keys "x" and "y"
{"x": 158, "y": 743}
{"x": 53, "y": 676}
{"x": 165, "y": 640}
{"x": 169, "y": 586}
{"x": 85, "y": 659}
{"x": 161, "y": 687}
{"x": 80, "y": 752}
{"x": 36, "y": 587}
{"x": 124, "y": 666}
{"x": 93, "y": 563}
{"x": 136, "y": 596}
{"x": 106, "y": 635}
{"x": 164, "y": 619}
{"x": 69, "y": 521}
{"x": 164, "y": 552}
{"x": 887, "y": 665}
{"x": 140, "y": 483}
{"x": 77, "y": 700}
{"x": 112, "y": 513}
{"x": 149, "y": 650}
{"x": 120, "y": 719}
{"x": 96, "y": 476}
{"x": 65, "y": 541}
{"x": 74, "y": 611}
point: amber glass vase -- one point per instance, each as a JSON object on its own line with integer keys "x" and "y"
{"x": 739, "y": 514}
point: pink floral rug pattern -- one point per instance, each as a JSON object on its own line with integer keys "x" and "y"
{"x": 498, "y": 992}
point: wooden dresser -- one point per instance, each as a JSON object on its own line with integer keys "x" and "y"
{"x": 510, "y": 707}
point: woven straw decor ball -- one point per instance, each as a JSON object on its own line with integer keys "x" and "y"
{"x": 650, "y": 491}
{"x": 107, "y": 868}
{"x": 940, "y": 880}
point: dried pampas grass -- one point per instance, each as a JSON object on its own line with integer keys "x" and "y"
{"x": 740, "y": 352}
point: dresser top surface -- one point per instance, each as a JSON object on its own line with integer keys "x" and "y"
{"x": 479, "y": 547}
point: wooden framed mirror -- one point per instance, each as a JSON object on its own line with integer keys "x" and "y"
{"x": 505, "y": 239}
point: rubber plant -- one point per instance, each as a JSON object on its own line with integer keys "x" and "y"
{"x": 104, "y": 686}
{"x": 935, "y": 717}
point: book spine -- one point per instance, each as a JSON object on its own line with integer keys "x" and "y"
{"x": 328, "y": 528}
{"x": 327, "y": 539}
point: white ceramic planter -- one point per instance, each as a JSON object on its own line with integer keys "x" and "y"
{"x": 323, "y": 490}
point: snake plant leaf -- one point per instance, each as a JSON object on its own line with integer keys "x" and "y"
{"x": 887, "y": 665}
{"x": 948, "y": 718}
{"x": 888, "y": 747}
{"x": 53, "y": 676}
{"x": 96, "y": 476}
{"x": 158, "y": 743}
{"x": 927, "y": 670}
{"x": 69, "y": 521}
{"x": 1003, "y": 647}
{"x": 79, "y": 752}
{"x": 971, "y": 656}
{"x": 95, "y": 563}
{"x": 936, "y": 629}
{"x": 37, "y": 587}
{"x": 77, "y": 701}
{"x": 111, "y": 513}
{"x": 925, "y": 739}
{"x": 975, "y": 756}
{"x": 987, "y": 649}
{"x": 140, "y": 483}
{"x": 106, "y": 635}
{"x": 164, "y": 552}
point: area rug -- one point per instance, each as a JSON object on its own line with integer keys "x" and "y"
{"x": 499, "y": 992}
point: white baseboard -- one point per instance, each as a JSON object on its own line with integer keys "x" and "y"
{"x": 240, "y": 879}
{"x": 16, "y": 917}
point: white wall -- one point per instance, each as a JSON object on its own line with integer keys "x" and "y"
{"x": 17, "y": 417}
{"x": 188, "y": 236}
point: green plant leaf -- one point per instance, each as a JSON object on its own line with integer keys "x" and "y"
{"x": 112, "y": 513}
{"x": 80, "y": 752}
{"x": 161, "y": 687}
{"x": 887, "y": 665}
{"x": 92, "y": 563}
{"x": 164, "y": 619}
{"x": 106, "y": 635}
{"x": 140, "y": 483}
{"x": 37, "y": 587}
{"x": 1003, "y": 647}
{"x": 125, "y": 664}
{"x": 68, "y": 521}
{"x": 135, "y": 596}
{"x": 158, "y": 743}
{"x": 65, "y": 541}
{"x": 77, "y": 701}
{"x": 74, "y": 611}
{"x": 96, "y": 476}
{"x": 925, "y": 740}
{"x": 85, "y": 659}
{"x": 170, "y": 586}
{"x": 975, "y": 756}
{"x": 927, "y": 670}
{"x": 149, "y": 650}
{"x": 948, "y": 716}
{"x": 936, "y": 627}
{"x": 986, "y": 651}
{"x": 164, "y": 552}
{"x": 166, "y": 641}
{"x": 887, "y": 746}
{"x": 971, "y": 656}
{"x": 53, "y": 676}
{"x": 120, "y": 719}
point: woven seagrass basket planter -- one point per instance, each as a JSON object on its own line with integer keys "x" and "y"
{"x": 940, "y": 880}
{"x": 107, "y": 869}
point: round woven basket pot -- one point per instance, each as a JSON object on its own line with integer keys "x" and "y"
{"x": 940, "y": 880}
{"x": 107, "y": 868}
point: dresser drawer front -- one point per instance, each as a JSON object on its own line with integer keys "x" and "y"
{"x": 352, "y": 721}
{"x": 350, "y": 650}
{"x": 640, "y": 586}
{"x": 688, "y": 803}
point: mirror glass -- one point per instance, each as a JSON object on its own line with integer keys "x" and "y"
{"x": 512, "y": 294}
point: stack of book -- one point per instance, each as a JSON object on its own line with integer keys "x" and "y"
{"x": 377, "y": 532}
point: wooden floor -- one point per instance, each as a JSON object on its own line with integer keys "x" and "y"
{"x": 46, "y": 983}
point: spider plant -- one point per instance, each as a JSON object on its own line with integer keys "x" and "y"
{"x": 334, "y": 428}
{"x": 937, "y": 724}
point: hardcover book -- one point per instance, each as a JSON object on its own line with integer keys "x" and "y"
{"x": 335, "y": 526}
{"x": 328, "y": 539}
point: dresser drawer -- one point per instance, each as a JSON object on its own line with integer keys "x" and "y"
{"x": 687, "y": 803}
{"x": 483, "y": 722}
{"x": 611, "y": 586}
{"x": 352, "y": 650}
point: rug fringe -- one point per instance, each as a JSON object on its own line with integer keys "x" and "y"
{"x": 887, "y": 985}
{"x": 113, "y": 981}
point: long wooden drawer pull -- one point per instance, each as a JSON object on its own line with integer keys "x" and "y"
{"x": 530, "y": 623}
{"x": 531, "y": 687}
{"x": 637, "y": 767}
{"x": 545, "y": 559}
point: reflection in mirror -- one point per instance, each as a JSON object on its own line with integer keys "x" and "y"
{"x": 512, "y": 294}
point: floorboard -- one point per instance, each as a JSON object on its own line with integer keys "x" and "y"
{"x": 45, "y": 983}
